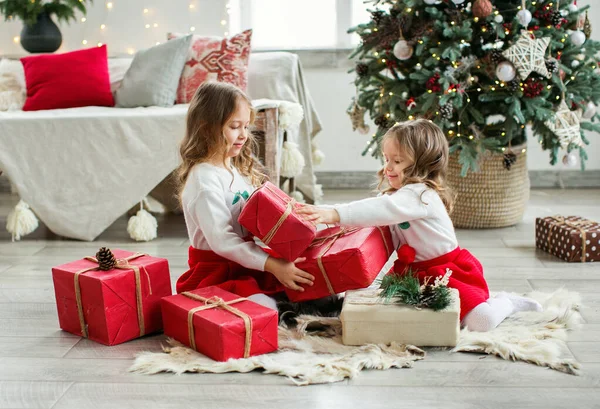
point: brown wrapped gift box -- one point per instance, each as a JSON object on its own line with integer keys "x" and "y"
{"x": 570, "y": 238}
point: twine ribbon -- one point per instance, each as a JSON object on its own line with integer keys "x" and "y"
{"x": 288, "y": 210}
{"x": 122, "y": 264}
{"x": 333, "y": 237}
{"x": 580, "y": 225}
{"x": 217, "y": 302}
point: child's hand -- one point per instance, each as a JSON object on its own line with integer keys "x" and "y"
{"x": 318, "y": 215}
{"x": 288, "y": 274}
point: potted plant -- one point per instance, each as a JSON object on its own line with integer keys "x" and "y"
{"x": 40, "y": 34}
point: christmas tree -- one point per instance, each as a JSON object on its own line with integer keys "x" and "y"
{"x": 482, "y": 70}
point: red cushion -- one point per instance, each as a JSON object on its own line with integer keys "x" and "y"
{"x": 76, "y": 79}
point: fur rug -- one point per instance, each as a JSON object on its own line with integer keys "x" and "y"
{"x": 312, "y": 352}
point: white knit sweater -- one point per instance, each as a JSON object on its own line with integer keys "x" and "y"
{"x": 429, "y": 229}
{"x": 211, "y": 217}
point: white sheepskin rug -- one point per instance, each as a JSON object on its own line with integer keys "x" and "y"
{"x": 307, "y": 356}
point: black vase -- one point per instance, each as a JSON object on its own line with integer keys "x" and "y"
{"x": 42, "y": 37}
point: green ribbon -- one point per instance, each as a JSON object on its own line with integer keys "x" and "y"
{"x": 239, "y": 195}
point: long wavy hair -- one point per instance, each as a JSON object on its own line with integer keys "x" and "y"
{"x": 425, "y": 143}
{"x": 211, "y": 107}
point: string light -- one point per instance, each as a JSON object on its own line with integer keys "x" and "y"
{"x": 155, "y": 25}
{"x": 130, "y": 51}
{"x": 16, "y": 39}
{"x": 83, "y": 19}
{"x": 192, "y": 6}
{"x": 84, "y": 42}
{"x": 100, "y": 44}
{"x": 147, "y": 25}
{"x": 109, "y": 5}
{"x": 146, "y": 11}
{"x": 102, "y": 26}
{"x": 391, "y": 93}
{"x": 192, "y": 28}
{"x": 223, "y": 22}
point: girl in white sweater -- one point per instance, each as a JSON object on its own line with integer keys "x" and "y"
{"x": 217, "y": 174}
{"x": 415, "y": 203}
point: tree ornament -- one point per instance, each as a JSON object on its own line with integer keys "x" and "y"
{"x": 506, "y": 71}
{"x": 570, "y": 160}
{"x": 106, "y": 259}
{"x": 362, "y": 69}
{"x": 527, "y": 55}
{"x": 587, "y": 26}
{"x": 565, "y": 125}
{"x": 498, "y": 18}
{"x": 482, "y": 8}
{"x": 431, "y": 2}
{"x": 590, "y": 110}
{"x": 433, "y": 83}
{"x": 575, "y": 63}
{"x": 403, "y": 50}
{"x": 578, "y": 38}
{"x": 509, "y": 159}
{"x": 357, "y": 118}
{"x": 524, "y": 17}
{"x": 532, "y": 88}
{"x": 573, "y": 7}
{"x": 410, "y": 103}
{"x": 458, "y": 1}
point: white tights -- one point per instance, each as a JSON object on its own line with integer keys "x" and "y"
{"x": 488, "y": 315}
{"x": 264, "y": 300}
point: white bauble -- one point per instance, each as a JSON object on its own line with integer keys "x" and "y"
{"x": 575, "y": 63}
{"x": 524, "y": 17}
{"x": 499, "y": 19}
{"x": 506, "y": 71}
{"x": 458, "y": 1}
{"x": 577, "y": 38}
{"x": 590, "y": 110}
{"x": 430, "y": 2}
{"x": 573, "y": 7}
{"x": 570, "y": 160}
{"x": 405, "y": 95}
{"x": 403, "y": 50}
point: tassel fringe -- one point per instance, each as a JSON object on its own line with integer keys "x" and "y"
{"x": 21, "y": 221}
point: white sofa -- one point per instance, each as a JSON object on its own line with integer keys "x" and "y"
{"x": 80, "y": 169}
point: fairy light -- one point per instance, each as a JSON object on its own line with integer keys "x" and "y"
{"x": 458, "y": 123}
{"x": 102, "y": 26}
{"x": 83, "y": 19}
{"x": 503, "y": 134}
{"x": 376, "y": 54}
{"x": 503, "y": 149}
{"x": 471, "y": 137}
{"x": 383, "y": 60}
{"x": 468, "y": 99}
{"x": 408, "y": 10}
{"x": 391, "y": 93}
{"x": 557, "y": 97}
{"x": 524, "y": 150}
{"x": 223, "y": 22}
{"x": 375, "y": 29}
{"x": 452, "y": 22}
{"x": 410, "y": 117}
{"x": 450, "y": 132}
{"x": 549, "y": 87}
{"x": 573, "y": 78}
{"x": 387, "y": 115}
{"x": 100, "y": 44}
{"x": 192, "y": 7}
{"x": 476, "y": 19}
{"x": 146, "y": 11}
{"x": 130, "y": 51}
{"x": 147, "y": 26}
{"x": 158, "y": 42}
{"x": 155, "y": 25}
{"x": 109, "y": 5}
{"x": 192, "y": 28}
{"x": 478, "y": 89}
{"x": 429, "y": 91}
{"x": 16, "y": 39}
{"x": 84, "y": 42}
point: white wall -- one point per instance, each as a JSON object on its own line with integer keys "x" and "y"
{"x": 332, "y": 89}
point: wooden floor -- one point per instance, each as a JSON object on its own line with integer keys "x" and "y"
{"x": 43, "y": 367}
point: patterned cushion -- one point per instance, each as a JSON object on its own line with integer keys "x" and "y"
{"x": 214, "y": 58}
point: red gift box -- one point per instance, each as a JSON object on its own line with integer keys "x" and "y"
{"x": 343, "y": 259}
{"x": 219, "y": 324}
{"x": 114, "y": 306}
{"x": 269, "y": 215}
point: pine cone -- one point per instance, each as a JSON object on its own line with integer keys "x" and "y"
{"x": 447, "y": 110}
{"x": 509, "y": 159}
{"x": 427, "y": 296}
{"x": 496, "y": 56}
{"x": 552, "y": 66}
{"x": 513, "y": 86}
{"x": 106, "y": 259}
{"x": 362, "y": 69}
{"x": 555, "y": 18}
{"x": 377, "y": 16}
{"x": 382, "y": 122}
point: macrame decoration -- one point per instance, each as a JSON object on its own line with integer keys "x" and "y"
{"x": 527, "y": 55}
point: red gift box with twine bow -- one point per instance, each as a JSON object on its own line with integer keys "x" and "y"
{"x": 219, "y": 324}
{"x": 113, "y": 306}
{"x": 343, "y": 259}
{"x": 269, "y": 215}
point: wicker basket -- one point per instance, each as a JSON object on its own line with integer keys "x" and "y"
{"x": 493, "y": 197}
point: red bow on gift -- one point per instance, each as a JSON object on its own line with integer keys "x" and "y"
{"x": 406, "y": 256}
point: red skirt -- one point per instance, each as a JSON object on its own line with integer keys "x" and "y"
{"x": 467, "y": 276}
{"x": 208, "y": 268}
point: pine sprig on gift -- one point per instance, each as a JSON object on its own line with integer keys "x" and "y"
{"x": 407, "y": 289}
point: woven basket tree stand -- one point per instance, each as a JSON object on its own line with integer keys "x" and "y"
{"x": 493, "y": 197}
